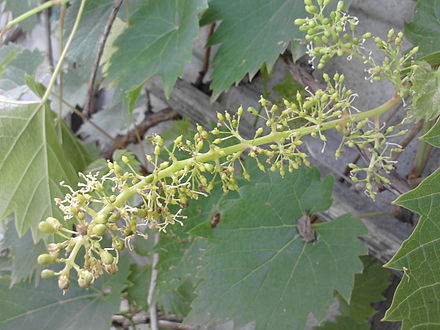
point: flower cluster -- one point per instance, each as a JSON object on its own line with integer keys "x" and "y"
{"x": 123, "y": 203}
{"x": 335, "y": 35}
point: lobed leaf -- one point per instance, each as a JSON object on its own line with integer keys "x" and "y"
{"x": 416, "y": 301}
{"x": 251, "y": 33}
{"x": 33, "y": 163}
{"x": 258, "y": 256}
{"x": 424, "y": 30}
{"x": 158, "y": 42}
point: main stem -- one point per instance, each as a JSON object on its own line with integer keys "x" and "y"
{"x": 64, "y": 53}
{"x": 239, "y": 147}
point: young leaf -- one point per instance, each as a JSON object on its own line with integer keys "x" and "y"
{"x": 158, "y": 42}
{"x": 251, "y": 33}
{"x": 426, "y": 91}
{"x": 32, "y": 165}
{"x": 258, "y": 256}
{"x": 45, "y": 307}
{"x": 416, "y": 301}
{"x": 424, "y": 30}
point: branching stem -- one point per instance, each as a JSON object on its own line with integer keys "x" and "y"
{"x": 240, "y": 147}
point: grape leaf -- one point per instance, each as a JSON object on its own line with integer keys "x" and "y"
{"x": 32, "y": 165}
{"x": 140, "y": 281}
{"x": 251, "y": 33}
{"x": 416, "y": 301}
{"x": 258, "y": 256}
{"x": 86, "y": 41}
{"x": 424, "y": 30}
{"x": 24, "y": 254}
{"x": 368, "y": 288}
{"x": 45, "y": 307}
{"x": 426, "y": 91}
{"x": 20, "y": 7}
{"x": 346, "y": 323}
{"x": 158, "y": 42}
{"x": 17, "y": 63}
{"x": 433, "y": 135}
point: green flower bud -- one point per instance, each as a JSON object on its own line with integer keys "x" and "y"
{"x": 99, "y": 229}
{"x": 85, "y": 278}
{"x": 100, "y": 218}
{"x": 118, "y": 244}
{"x": 157, "y": 150}
{"x": 49, "y": 226}
{"x": 47, "y": 273}
{"x": 46, "y": 259}
{"x": 106, "y": 257}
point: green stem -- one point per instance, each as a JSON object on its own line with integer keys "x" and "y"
{"x": 64, "y": 53}
{"x": 240, "y": 147}
{"x": 423, "y": 151}
{"x": 80, "y": 241}
{"x": 32, "y": 12}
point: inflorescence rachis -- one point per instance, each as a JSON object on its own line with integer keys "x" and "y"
{"x": 104, "y": 204}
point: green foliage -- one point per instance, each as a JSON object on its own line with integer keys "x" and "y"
{"x": 426, "y": 91}
{"x": 251, "y": 33}
{"x": 368, "y": 288}
{"x": 158, "y": 42}
{"x": 433, "y": 135}
{"x": 257, "y": 256}
{"x": 34, "y": 162}
{"x": 23, "y": 253}
{"x": 140, "y": 281}
{"x": 15, "y": 64}
{"x": 87, "y": 38}
{"x": 424, "y": 30}
{"x": 27, "y": 307}
{"x": 416, "y": 299}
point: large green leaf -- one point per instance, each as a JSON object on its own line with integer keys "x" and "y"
{"x": 260, "y": 269}
{"x": 417, "y": 298}
{"x": 158, "y": 42}
{"x": 433, "y": 135}
{"x": 45, "y": 307}
{"x": 32, "y": 165}
{"x": 251, "y": 33}
{"x": 180, "y": 253}
{"x": 424, "y": 30}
